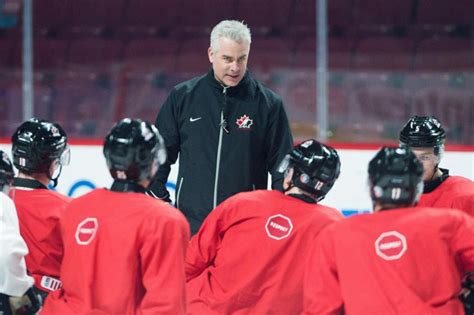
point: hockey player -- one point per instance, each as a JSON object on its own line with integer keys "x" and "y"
{"x": 14, "y": 282}
{"x": 248, "y": 256}
{"x": 399, "y": 260}
{"x": 124, "y": 250}
{"x": 40, "y": 150}
{"x": 426, "y": 137}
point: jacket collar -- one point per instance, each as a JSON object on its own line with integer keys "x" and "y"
{"x": 231, "y": 90}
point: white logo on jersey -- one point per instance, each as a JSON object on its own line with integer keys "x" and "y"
{"x": 391, "y": 245}
{"x": 86, "y": 231}
{"x": 278, "y": 227}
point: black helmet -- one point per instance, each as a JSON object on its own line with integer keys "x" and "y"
{"x": 37, "y": 143}
{"x": 423, "y": 131}
{"x": 6, "y": 170}
{"x": 395, "y": 176}
{"x": 316, "y": 167}
{"x": 131, "y": 148}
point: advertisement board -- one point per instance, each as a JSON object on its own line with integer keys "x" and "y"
{"x": 350, "y": 193}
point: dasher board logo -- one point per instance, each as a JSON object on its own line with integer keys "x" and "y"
{"x": 86, "y": 231}
{"x": 244, "y": 122}
{"x": 391, "y": 245}
{"x": 278, "y": 227}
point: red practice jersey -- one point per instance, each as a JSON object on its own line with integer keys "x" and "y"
{"x": 454, "y": 192}
{"x": 123, "y": 254}
{"x": 398, "y": 261}
{"x": 248, "y": 256}
{"x": 39, "y": 211}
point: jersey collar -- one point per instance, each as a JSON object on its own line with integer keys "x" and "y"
{"x": 28, "y": 183}
{"x": 432, "y": 185}
{"x": 127, "y": 186}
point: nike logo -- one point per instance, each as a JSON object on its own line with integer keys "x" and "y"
{"x": 194, "y": 119}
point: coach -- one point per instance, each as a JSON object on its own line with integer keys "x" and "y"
{"x": 228, "y": 129}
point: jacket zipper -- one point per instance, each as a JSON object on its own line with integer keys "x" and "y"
{"x": 223, "y": 125}
{"x": 179, "y": 192}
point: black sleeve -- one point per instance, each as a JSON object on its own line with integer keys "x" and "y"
{"x": 167, "y": 124}
{"x": 279, "y": 142}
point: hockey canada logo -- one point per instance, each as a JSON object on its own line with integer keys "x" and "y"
{"x": 86, "y": 231}
{"x": 244, "y": 122}
{"x": 278, "y": 227}
{"x": 391, "y": 245}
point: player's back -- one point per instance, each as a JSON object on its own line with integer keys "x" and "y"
{"x": 401, "y": 261}
{"x": 39, "y": 211}
{"x": 106, "y": 237}
{"x": 264, "y": 238}
{"x": 455, "y": 192}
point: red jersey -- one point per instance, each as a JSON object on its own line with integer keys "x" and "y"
{"x": 123, "y": 254}
{"x": 454, "y": 192}
{"x": 247, "y": 258}
{"x": 399, "y": 261}
{"x": 39, "y": 211}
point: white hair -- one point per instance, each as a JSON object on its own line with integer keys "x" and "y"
{"x": 231, "y": 29}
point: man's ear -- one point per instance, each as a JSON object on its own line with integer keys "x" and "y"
{"x": 210, "y": 54}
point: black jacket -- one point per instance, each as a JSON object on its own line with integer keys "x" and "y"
{"x": 228, "y": 139}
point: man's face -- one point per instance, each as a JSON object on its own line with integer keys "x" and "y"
{"x": 429, "y": 160}
{"x": 229, "y": 62}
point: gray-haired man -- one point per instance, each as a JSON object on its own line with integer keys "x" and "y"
{"x": 229, "y": 130}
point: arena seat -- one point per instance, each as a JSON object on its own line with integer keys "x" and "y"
{"x": 261, "y": 19}
{"x": 94, "y": 51}
{"x": 382, "y": 12}
{"x": 152, "y": 53}
{"x": 445, "y": 12}
{"x": 385, "y": 53}
{"x": 270, "y": 53}
{"x": 93, "y": 13}
{"x": 445, "y": 54}
{"x": 193, "y": 59}
{"x": 163, "y": 14}
{"x": 339, "y": 53}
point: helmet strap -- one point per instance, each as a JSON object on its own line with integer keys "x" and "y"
{"x": 55, "y": 180}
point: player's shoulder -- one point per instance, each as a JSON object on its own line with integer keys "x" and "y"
{"x": 326, "y": 212}
{"x": 458, "y": 185}
{"x": 256, "y": 199}
{"x": 254, "y": 195}
{"x": 188, "y": 85}
{"x": 430, "y": 216}
{"x": 58, "y": 196}
{"x": 159, "y": 210}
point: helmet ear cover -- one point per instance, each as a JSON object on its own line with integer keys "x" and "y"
{"x": 131, "y": 148}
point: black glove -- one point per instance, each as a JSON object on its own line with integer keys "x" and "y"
{"x": 163, "y": 195}
{"x": 467, "y": 293}
{"x": 34, "y": 304}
